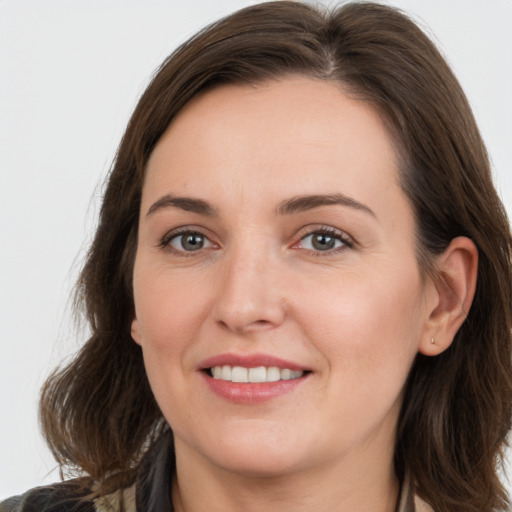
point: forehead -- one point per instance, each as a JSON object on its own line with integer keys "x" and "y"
{"x": 289, "y": 137}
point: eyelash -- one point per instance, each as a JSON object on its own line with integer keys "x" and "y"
{"x": 181, "y": 232}
{"x": 339, "y": 236}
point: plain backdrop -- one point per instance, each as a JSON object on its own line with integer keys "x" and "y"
{"x": 70, "y": 74}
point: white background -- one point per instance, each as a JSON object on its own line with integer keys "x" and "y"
{"x": 70, "y": 74}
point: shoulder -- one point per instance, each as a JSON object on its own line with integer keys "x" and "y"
{"x": 61, "y": 497}
{"x": 70, "y": 496}
{"x": 152, "y": 484}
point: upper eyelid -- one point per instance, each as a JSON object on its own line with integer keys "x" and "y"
{"x": 325, "y": 228}
{"x": 181, "y": 230}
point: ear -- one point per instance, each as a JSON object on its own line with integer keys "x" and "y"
{"x": 135, "y": 331}
{"x": 454, "y": 289}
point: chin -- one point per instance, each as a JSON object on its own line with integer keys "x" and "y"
{"x": 256, "y": 452}
{"x": 259, "y": 463}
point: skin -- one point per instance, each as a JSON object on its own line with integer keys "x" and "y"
{"x": 355, "y": 315}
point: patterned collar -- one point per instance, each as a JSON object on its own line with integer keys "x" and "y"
{"x": 409, "y": 502}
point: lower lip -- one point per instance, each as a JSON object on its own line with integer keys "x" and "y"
{"x": 251, "y": 392}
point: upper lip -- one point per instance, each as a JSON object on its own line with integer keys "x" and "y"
{"x": 250, "y": 361}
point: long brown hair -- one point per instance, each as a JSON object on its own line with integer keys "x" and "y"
{"x": 98, "y": 412}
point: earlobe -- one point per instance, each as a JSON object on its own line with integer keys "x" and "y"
{"x": 455, "y": 284}
{"x": 135, "y": 331}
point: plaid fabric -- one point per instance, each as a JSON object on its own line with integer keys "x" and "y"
{"x": 150, "y": 493}
{"x": 61, "y": 497}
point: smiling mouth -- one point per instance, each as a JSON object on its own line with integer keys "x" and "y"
{"x": 259, "y": 374}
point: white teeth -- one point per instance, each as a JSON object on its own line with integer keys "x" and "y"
{"x": 226, "y": 373}
{"x": 239, "y": 374}
{"x": 273, "y": 374}
{"x": 257, "y": 374}
{"x": 286, "y": 374}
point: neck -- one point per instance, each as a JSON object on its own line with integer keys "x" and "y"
{"x": 356, "y": 484}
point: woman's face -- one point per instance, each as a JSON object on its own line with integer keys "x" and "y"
{"x": 276, "y": 246}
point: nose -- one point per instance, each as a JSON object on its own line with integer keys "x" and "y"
{"x": 250, "y": 294}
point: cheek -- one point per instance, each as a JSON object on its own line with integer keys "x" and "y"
{"x": 367, "y": 324}
{"x": 168, "y": 308}
{"x": 168, "y": 312}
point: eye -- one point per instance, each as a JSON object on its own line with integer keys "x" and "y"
{"x": 188, "y": 241}
{"x": 324, "y": 240}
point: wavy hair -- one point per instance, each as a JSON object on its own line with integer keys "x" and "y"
{"x": 98, "y": 412}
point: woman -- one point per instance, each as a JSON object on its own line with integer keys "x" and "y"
{"x": 302, "y": 271}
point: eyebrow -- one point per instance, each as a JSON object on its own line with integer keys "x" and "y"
{"x": 188, "y": 204}
{"x": 304, "y": 203}
{"x": 287, "y": 207}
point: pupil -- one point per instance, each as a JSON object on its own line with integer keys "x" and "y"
{"x": 192, "y": 242}
{"x": 323, "y": 242}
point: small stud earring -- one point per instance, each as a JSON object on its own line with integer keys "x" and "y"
{"x": 433, "y": 341}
